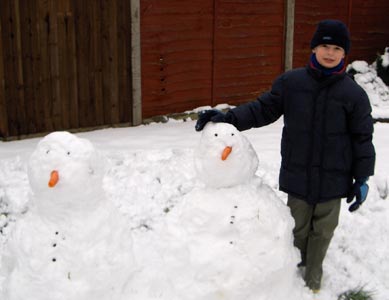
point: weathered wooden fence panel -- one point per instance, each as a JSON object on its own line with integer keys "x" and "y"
{"x": 64, "y": 65}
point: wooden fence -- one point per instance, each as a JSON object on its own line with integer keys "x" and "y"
{"x": 367, "y": 20}
{"x": 229, "y": 51}
{"x": 208, "y": 52}
{"x": 64, "y": 65}
{"x": 70, "y": 64}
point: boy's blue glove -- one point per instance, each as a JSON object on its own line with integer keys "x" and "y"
{"x": 206, "y": 116}
{"x": 359, "y": 190}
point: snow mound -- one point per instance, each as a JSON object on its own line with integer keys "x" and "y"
{"x": 368, "y": 77}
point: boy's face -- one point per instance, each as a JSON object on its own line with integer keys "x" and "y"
{"x": 329, "y": 56}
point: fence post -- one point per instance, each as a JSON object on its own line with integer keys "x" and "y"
{"x": 136, "y": 63}
{"x": 289, "y": 35}
{"x": 3, "y": 104}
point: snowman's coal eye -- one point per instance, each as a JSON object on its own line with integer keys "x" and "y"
{"x": 232, "y": 134}
{"x": 215, "y": 134}
{"x": 48, "y": 151}
{"x": 68, "y": 153}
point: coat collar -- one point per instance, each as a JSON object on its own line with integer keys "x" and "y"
{"x": 324, "y": 80}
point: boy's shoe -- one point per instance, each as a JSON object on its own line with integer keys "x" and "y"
{"x": 313, "y": 285}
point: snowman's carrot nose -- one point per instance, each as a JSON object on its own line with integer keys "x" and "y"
{"x": 226, "y": 152}
{"x": 54, "y": 177}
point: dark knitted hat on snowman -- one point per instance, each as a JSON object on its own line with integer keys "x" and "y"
{"x": 331, "y": 32}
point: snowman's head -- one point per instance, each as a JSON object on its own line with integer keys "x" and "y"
{"x": 224, "y": 156}
{"x": 63, "y": 168}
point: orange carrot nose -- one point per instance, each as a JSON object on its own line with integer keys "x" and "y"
{"x": 54, "y": 177}
{"x": 226, "y": 152}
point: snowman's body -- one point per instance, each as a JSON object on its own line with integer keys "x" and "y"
{"x": 235, "y": 231}
{"x": 239, "y": 243}
{"x": 72, "y": 244}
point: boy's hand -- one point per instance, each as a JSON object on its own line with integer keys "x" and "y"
{"x": 206, "y": 116}
{"x": 359, "y": 190}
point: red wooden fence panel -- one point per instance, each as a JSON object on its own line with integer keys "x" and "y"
{"x": 248, "y": 48}
{"x": 307, "y": 14}
{"x": 369, "y": 26}
{"x": 366, "y": 19}
{"x": 208, "y": 51}
{"x": 176, "y": 50}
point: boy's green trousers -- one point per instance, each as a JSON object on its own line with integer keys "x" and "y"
{"x": 313, "y": 231}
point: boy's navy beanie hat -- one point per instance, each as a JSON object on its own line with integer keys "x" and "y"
{"x": 331, "y": 32}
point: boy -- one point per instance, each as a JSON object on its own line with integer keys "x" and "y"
{"x": 326, "y": 147}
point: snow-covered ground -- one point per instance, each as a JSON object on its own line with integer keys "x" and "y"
{"x": 180, "y": 242}
{"x": 151, "y": 171}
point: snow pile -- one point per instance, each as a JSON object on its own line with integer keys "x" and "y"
{"x": 366, "y": 76}
{"x": 14, "y": 191}
{"x": 146, "y": 185}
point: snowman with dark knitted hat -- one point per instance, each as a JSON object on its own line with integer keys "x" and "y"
{"x": 72, "y": 240}
{"x": 236, "y": 232}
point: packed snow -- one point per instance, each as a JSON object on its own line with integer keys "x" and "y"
{"x": 366, "y": 76}
{"x": 72, "y": 238}
{"x": 161, "y": 211}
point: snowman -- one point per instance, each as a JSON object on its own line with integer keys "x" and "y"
{"x": 72, "y": 243}
{"x": 235, "y": 234}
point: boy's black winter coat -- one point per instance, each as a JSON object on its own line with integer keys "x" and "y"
{"x": 327, "y": 134}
